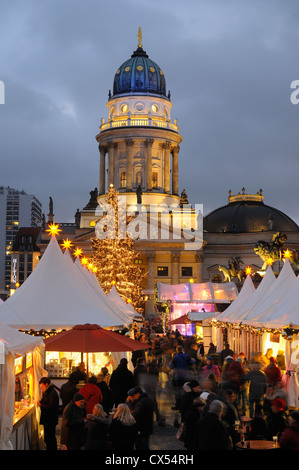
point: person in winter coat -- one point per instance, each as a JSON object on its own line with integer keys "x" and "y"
{"x": 289, "y": 439}
{"x": 212, "y": 433}
{"x": 192, "y": 417}
{"x": 273, "y": 373}
{"x": 97, "y": 426}
{"x": 49, "y": 405}
{"x": 143, "y": 412}
{"x": 92, "y": 394}
{"x": 107, "y": 394}
{"x": 180, "y": 364}
{"x": 191, "y": 391}
{"x": 277, "y": 420}
{"x": 121, "y": 381}
{"x": 68, "y": 390}
{"x": 72, "y": 435}
{"x": 123, "y": 429}
{"x": 225, "y": 352}
{"x": 257, "y": 386}
{"x": 210, "y": 368}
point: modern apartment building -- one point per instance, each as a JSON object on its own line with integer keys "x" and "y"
{"x": 17, "y": 209}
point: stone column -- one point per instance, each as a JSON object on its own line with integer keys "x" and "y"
{"x": 129, "y": 143}
{"x": 102, "y": 169}
{"x": 175, "y": 170}
{"x": 149, "y": 164}
{"x": 175, "y": 267}
{"x": 110, "y": 164}
{"x": 115, "y": 176}
{"x": 166, "y": 147}
{"x": 151, "y": 258}
{"x": 199, "y": 261}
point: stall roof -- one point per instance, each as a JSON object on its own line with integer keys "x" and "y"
{"x": 17, "y": 343}
{"x": 53, "y": 297}
{"x": 207, "y": 292}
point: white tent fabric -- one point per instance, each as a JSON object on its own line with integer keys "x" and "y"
{"x": 53, "y": 298}
{"x": 15, "y": 343}
{"x": 280, "y": 287}
{"x": 91, "y": 284}
{"x": 283, "y": 312}
{"x": 232, "y": 312}
{"x": 121, "y": 304}
{"x": 236, "y": 311}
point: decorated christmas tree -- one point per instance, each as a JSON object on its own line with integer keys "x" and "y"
{"x": 114, "y": 254}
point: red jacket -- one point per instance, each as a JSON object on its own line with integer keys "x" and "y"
{"x": 289, "y": 439}
{"x": 92, "y": 396}
{"x": 273, "y": 374}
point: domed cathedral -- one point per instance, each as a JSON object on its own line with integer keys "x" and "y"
{"x": 139, "y": 146}
{"x": 248, "y": 231}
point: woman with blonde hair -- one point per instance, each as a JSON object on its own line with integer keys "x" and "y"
{"x": 123, "y": 430}
{"x": 97, "y": 427}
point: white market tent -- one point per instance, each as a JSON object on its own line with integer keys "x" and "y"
{"x": 117, "y": 300}
{"x": 53, "y": 297}
{"x": 281, "y": 313}
{"x": 13, "y": 344}
{"x": 237, "y": 306}
{"x": 91, "y": 283}
{"x": 269, "y": 296}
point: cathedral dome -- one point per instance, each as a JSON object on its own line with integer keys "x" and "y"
{"x": 248, "y": 214}
{"x": 139, "y": 75}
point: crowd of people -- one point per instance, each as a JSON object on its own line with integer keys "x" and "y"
{"x": 212, "y": 392}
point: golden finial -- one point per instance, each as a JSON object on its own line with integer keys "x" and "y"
{"x": 139, "y": 35}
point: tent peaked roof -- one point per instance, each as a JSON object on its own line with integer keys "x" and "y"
{"x": 237, "y": 305}
{"x": 278, "y": 288}
{"x": 283, "y": 312}
{"x": 258, "y": 294}
{"x": 119, "y": 301}
{"x": 52, "y": 297}
{"x": 92, "y": 284}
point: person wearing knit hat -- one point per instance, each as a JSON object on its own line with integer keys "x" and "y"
{"x": 277, "y": 420}
{"x": 189, "y": 394}
{"x": 72, "y": 435}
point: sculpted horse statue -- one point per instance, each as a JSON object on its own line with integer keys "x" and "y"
{"x": 270, "y": 253}
{"x": 233, "y": 269}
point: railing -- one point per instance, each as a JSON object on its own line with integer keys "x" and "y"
{"x": 139, "y": 123}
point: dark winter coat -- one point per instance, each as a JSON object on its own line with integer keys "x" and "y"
{"x": 73, "y": 433}
{"x": 122, "y": 379}
{"x": 258, "y": 384}
{"x": 97, "y": 429}
{"x": 107, "y": 402}
{"x": 192, "y": 418}
{"x": 122, "y": 436}
{"x": 276, "y": 424}
{"x": 49, "y": 404}
{"x": 67, "y": 391}
{"x": 143, "y": 412}
{"x": 187, "y": 402}
{"x": 212, "y": 433}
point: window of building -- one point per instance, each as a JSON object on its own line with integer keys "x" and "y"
{"x": 155, "y": 179}
{"x": 187, "y": 271}
{"x": 123, "y": 179}
{"x": 162, "y": 270}
{"x": 138, "y": 261}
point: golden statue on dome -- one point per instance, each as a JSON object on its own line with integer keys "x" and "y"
{"x": 139, "y": 35}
